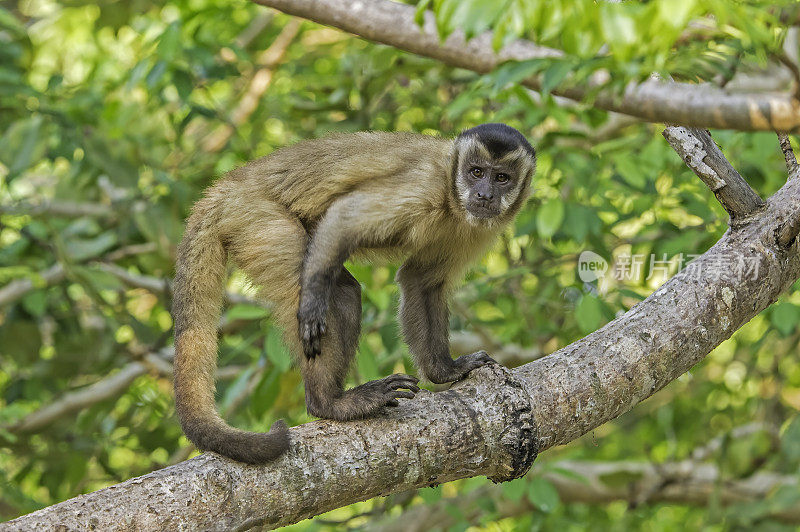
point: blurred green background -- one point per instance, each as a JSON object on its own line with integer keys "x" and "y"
{"x": 115, "y": 115}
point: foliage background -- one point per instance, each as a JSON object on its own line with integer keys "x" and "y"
{"x": 115, "y": 115}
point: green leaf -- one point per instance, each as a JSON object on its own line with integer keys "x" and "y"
{"x": 236, "y": 389}
{"x": 549, "y": 217}
{"x": 276, "y": 350}
{"x": 555, "y": 74}
{"x": 367, "y": 365}
{"x": 790, "y": 440}
{"x": 589, "y": 313}
{"x": 21, "y": 145}
{"x": 35, "y": 302}
{"x": 169, "y": 42}
{"x": 419, "y": 14}
{"x": 515, "y": 489}
{"x": 83, "y": 249}
{"x": 785, "y": 317}
{"x": 513, "y": 72}
{"x": 156, "y": 73}
{"x": 183, "y": 84}
{"x": 630, "y": 170}
{"x": 244, "y": 311}
{"x": 543, "y": 494}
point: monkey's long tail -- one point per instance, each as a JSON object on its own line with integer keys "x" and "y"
{"x": 197, "y": 302}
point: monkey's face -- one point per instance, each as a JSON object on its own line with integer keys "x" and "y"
{"x": 491, "y": 174}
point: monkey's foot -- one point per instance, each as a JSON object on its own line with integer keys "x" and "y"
{"x": 365, "y": 400}
{"x": 386, "y": 391}
{"x": 460, "y": 367}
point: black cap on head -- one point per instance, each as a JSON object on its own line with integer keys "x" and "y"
{"x": 499, "y": 139}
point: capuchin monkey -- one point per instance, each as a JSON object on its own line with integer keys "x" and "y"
{"x": 291, "y": 219}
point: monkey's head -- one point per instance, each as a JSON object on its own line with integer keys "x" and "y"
{"x": 492, "y": 169}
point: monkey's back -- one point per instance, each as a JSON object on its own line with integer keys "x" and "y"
{"x": 308, "y": 176}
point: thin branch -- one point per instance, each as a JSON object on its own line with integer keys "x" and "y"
{"x": 269, "y": 59}
{"x": 468, "y": 342}
{"x": 107, "y": 388}
{"x": 133, "y": 249}
{"x": 19, "y": 287}
{"x": 700, "y": 153}
{"x": 791, "y": 66}
{"x": 694, "y": 105}
{"x": 160, "y": 285}
{"x": 705, "y": 452}
{"x": 70, "y": 209}
{"x": 787, "y": 233}
{"x": 71, "y": 402}
{"x": 57, "y": 273}
{"x": 684, "y": 482}
{"x": 254, "y": 29}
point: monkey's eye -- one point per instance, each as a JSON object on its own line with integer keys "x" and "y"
{"x": 501, "y": 178}
{"x": 476, "y": 172}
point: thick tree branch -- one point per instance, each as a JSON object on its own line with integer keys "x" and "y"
{"x": 700, "y": 153}
{"x": 704, "y": 106}
{"x": 490, "y": 424}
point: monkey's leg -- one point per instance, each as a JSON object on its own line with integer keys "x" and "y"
{"x": 424, "y": 318}
{"x": 325, "y": 374}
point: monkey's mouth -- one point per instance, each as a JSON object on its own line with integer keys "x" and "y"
{"x": 482, "y": 210}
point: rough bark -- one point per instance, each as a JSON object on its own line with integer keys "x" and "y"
{"x": 703, "y": 106}
{"x": 492, "y": 424}
{"x": 486, "y": 422}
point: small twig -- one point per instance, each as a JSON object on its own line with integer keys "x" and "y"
{"x": 703, "y": 156}
{"x": 786, "y": 61}
{"x": 788, "y": 154}
{"x": 133, "y": 249}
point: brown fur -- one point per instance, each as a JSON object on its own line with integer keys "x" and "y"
{"x": 288, "y": 221}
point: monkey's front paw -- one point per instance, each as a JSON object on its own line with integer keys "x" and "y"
{"x": 311, "y": 326}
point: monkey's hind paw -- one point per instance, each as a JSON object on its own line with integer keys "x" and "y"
{"x": 466, "y": 363}
{"x": 394, "y": 387}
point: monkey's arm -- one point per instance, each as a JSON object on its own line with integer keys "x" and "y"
{"x": 350, "y": 222}
{"x": 424, "y": 318}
